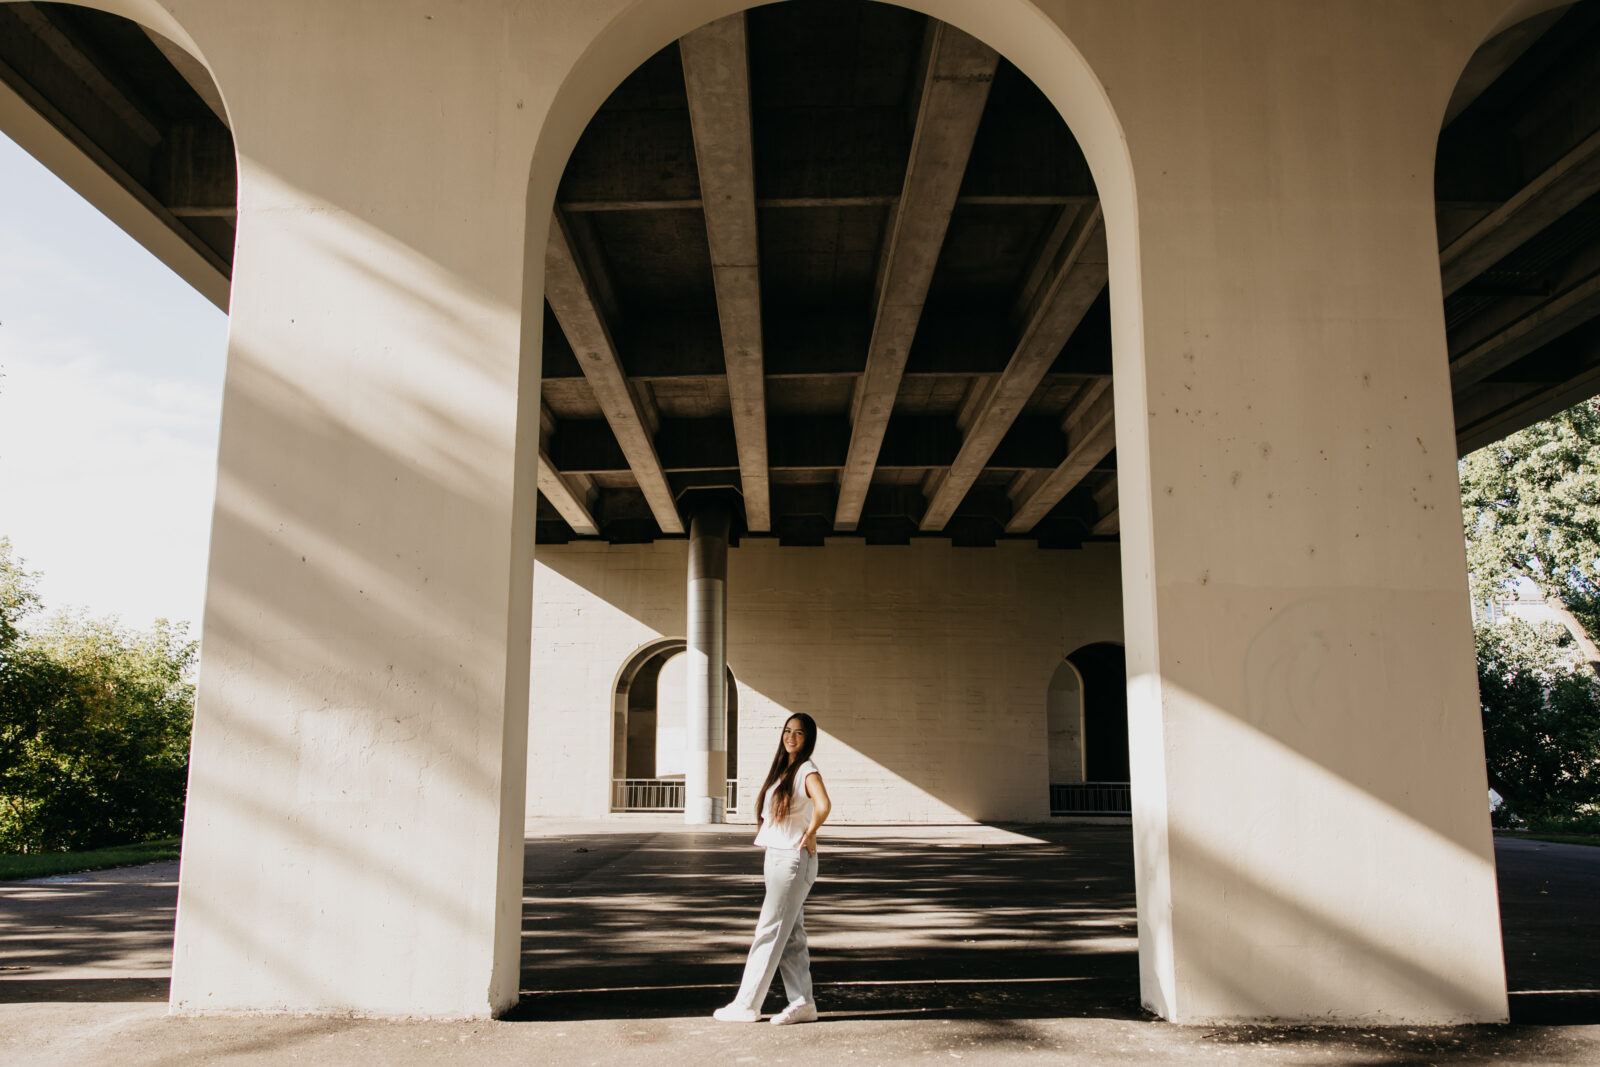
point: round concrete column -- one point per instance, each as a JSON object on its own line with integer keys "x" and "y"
{"x": 705, "y": 733}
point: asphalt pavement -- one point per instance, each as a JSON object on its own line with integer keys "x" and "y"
{"x": 986, "y": 943}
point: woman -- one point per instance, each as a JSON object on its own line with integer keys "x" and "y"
{"x": 792, "y": 803}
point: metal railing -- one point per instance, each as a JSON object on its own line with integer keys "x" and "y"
{"x": 658, "y": 794}
{"x": 1091, "y": 798}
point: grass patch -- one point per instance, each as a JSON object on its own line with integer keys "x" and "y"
{"x": 1559, "y": 839}
{"x": 44, "y": 864}
{"x": 1566, "y": 839}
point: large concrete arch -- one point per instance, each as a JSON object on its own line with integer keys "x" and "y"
{"x": 1017, "y": 29}
{"x": 1264, "y": 169}
{"x": 1189, "y": 857}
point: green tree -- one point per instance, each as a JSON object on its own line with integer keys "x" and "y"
{"x": 94, "y": 725}
{"x": 1531, "y": 509}
{"x": 1541, "y": 721}
{"x": 28, "y": 681}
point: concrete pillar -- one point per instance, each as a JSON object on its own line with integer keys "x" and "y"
{"x": 706, "y": 667}
{"x": 1312, "y": 838}
{"x": 353, "y": 840}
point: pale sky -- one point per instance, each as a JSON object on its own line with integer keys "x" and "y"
{"x": 110, "y": 397}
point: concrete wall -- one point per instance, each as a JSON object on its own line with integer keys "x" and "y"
{"x": 926, "y": 666}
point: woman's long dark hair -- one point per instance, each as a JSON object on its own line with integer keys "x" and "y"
{"x": 781, "y": 776}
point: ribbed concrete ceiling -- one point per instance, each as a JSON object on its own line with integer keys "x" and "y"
{"x": 927, "y": 268}
{"x": 847, "y": 264}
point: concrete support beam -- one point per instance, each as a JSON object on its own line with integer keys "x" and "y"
{"x": 695, "y": 203}
{"x": 47, "y": 136}
{"x": 1091, "y": 432}
{"x": 1077, "y": 275}
{"x": 572, "y": 298}
{"x": 565, "y": 499}
{"x": 196, "y": 174}
{"x": 1568, "y": 309}
{"x": 803, "y": 442}
{"x": 133, "y": 114}
{"x": 705, "y": 789}
{"x": 1572, "y": 180}
{"x": 954, "y": 92}
{"x": 716, "y": 73}
{"x": 572, "y": 501}
{"x": 1105, "y": 502}
{"x": 1490, "y": 410}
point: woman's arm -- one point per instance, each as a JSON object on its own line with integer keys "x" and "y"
{"x": 820, "y": 807}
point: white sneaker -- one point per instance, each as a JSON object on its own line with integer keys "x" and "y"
{"x": 733, "y": 1013}
{"x": 803, "y": 1012}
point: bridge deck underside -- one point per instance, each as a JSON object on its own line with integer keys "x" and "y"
{"x": 846, "y": 267}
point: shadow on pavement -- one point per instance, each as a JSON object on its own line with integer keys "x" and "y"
{"x": 992, "y": 925}
{"x": 988, "y": 925}
{"x": 1008, "y": 932}
{"x": 1556, "y": 1009}
{"x": 84, "y": 990}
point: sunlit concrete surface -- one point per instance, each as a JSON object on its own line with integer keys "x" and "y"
{"x": 983, "y": 943}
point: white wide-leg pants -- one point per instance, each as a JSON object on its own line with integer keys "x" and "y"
{"x": 781, "y": 926}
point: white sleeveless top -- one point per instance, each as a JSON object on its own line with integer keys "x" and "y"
{"x": 789, "y": 832}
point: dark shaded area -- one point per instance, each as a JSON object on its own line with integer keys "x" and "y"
{"x": 22, "y": 990}
{"x": 1550, "y": 926}
{"x": 1104, "y": 670}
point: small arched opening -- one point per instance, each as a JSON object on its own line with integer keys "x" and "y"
{"x": 647, "y": 746}
{"x": 1087, "y": 715}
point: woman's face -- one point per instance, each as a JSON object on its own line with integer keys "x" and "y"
{"x": 794, "y": 736}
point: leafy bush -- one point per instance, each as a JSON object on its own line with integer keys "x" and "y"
{"x": 1587, "y": 823}
{"x": 1541, "y": 723}
{"x": 94, "y": 725}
